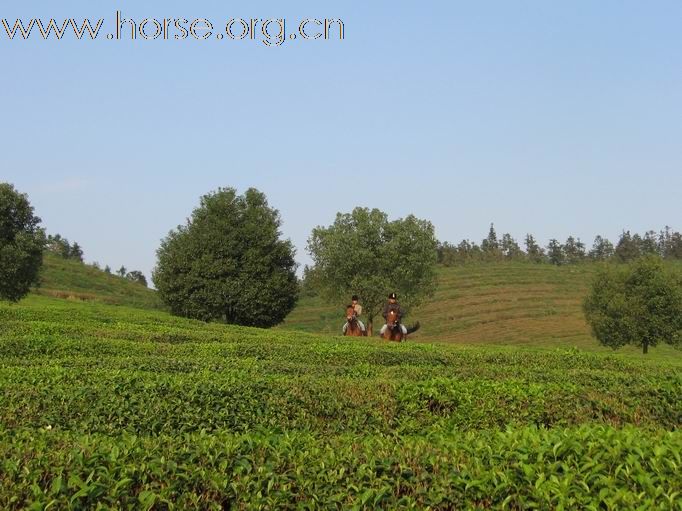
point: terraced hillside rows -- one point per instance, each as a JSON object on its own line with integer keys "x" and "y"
{"x": 125, "y": 408}
{"x": 500, "y": 303}
{"x": 521, "y": 304}
{"x": 497, "y": 303}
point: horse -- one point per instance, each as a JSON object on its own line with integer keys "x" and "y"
{"x": 353, "y": 329}
{"x": 393, "y": 331}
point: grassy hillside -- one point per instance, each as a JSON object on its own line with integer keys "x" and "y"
{"x": 129, "y": 408}
{"x": 487, "y": 303}
{"x": 62, "y": 278}
{"x": 496, "y": 303}
{"x": 492, "y": 304}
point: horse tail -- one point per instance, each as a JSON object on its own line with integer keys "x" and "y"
{"x": 414, "y": 327}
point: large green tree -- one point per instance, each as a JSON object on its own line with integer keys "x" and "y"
{"x": 228, "y": 262}
{"x": 638, "y": 304}
{"x": 364, "y": 253}
{"x": 21, "y": 244}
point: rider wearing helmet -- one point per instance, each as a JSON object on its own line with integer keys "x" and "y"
{"x": 393, "y": 305}
{"x": 358, "y": 310}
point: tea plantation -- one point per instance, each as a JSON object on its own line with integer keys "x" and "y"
{"x": 503, "y": 303}
{"x": 106, "y": 406}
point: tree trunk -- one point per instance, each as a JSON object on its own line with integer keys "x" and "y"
{"x": 369, "y": 326}
{"x": 645, "y": 348}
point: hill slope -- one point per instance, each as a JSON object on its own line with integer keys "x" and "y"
{"x": 502, "y": 304}
{"x": 62, "y": 278}
{"x": 495, "y": 303}
{"x": 129, "y": 408}
{"x": 505, "y": 303}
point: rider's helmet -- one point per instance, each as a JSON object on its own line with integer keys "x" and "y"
{"x": 354, "y": 298}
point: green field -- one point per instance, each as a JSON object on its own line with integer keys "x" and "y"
{"x": 498, "y": 303}
{"x": 514, "y": 304}
{"x": 130, "y": 408}
{"x": 504, "y": 403}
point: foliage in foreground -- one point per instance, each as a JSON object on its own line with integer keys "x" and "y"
{"x": 133, "y": 409}
{"x": 591, "y": 467}
{"x": 89, "y": 368}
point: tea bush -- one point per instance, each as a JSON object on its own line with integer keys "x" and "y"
{"x": 116, "y": 407}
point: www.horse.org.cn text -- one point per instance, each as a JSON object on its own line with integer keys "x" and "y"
{"x": 269, "y": 31}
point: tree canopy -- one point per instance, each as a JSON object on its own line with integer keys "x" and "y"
{"x": 228, "y": 262}
{"x": 364, "y": 253}
{"x": 638, "y": 304}
{"x": 21, "y": 244}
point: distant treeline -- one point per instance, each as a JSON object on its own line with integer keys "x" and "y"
{"x": 61, "y": 246}
{"x": 666, "y": 243}
{"x": 133, "y": 276}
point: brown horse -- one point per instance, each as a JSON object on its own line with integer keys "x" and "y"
{"x": 393, "y": 331}
{"x": 353, "y": 329}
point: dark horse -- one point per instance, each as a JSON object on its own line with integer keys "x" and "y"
{"x": 353, "y": 329}
{"x": 393, "y": 331}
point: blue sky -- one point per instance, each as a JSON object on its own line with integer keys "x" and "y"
{"x": 554, "y": 118}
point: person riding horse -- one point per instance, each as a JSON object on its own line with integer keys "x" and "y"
{"x": 394, "y": 306}
{"x": 357, "y": 310}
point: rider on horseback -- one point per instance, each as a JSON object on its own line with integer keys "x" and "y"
{"x": 358, "y": 310}
{"x": 393, "y": 305}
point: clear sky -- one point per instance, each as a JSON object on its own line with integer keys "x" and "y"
{"x": 554, "y": 118}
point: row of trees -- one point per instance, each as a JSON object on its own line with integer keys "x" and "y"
{"x": 228, "y": 263}
{"x": 666, "y": 243}
{"x": 133, "y": 276}
{"x": 61, "y": 246}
